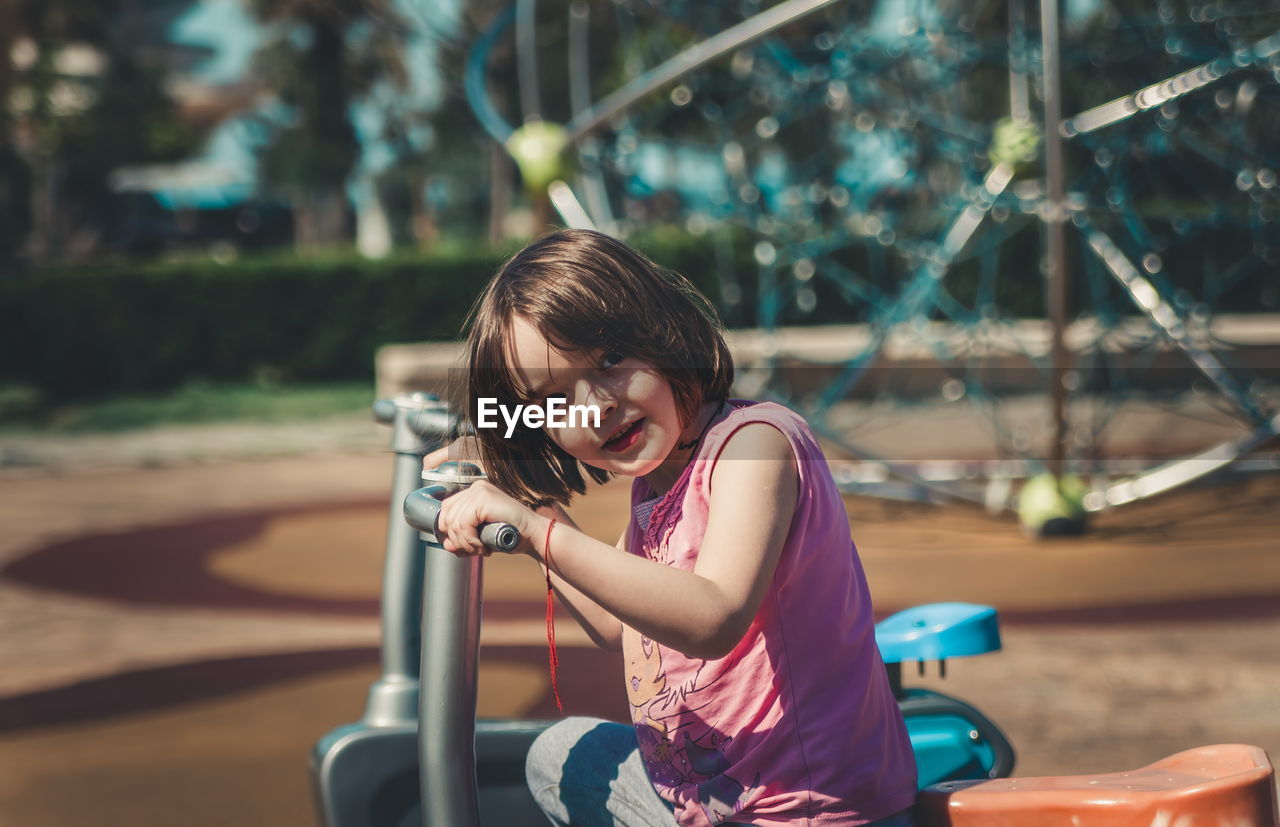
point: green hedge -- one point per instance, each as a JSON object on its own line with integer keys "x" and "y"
{"x": 87, "y": 332}
{"x": 77, "y": 334}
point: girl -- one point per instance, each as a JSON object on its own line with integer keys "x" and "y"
{"x": 756, "y": 689}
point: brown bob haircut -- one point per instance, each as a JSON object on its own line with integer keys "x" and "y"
{"x": 586, "y": 293}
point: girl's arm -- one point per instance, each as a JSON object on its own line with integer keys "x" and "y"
{"x": 602, "y": 627}
{"x": 703, "y": 613}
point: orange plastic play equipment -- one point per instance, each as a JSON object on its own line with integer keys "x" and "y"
{"x": 1228, "y": 785}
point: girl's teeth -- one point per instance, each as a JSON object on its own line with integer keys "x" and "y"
{"x": 622, "y": 435}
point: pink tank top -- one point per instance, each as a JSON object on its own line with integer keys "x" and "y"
{"x": 797, "y": 724}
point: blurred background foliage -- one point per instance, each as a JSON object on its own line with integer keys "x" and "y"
{"x": 368, "y": 204}
{"x": 81, "y": 100}
{"x": 149, "y": 327}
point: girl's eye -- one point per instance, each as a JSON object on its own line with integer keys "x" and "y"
{"x": 610, "y": 359}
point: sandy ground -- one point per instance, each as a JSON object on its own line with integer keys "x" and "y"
{"x": 179, "y": 631}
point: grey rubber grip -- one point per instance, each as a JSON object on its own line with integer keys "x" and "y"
{"x": 422, "y": 510}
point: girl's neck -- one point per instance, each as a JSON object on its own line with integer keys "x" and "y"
{"x": 662, "y": 478}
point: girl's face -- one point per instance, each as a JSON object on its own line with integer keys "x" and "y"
{"x": 639, "y": 423}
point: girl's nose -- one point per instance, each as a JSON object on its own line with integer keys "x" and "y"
{"x": 585, "y": 392}
{"x": 595, "y": 393}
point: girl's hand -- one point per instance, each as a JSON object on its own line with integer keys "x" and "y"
{"x": 463, "y": 449}
{"x": 482, "y": 502}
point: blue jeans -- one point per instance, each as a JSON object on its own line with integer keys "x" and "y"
{"x": 587, "y": 772}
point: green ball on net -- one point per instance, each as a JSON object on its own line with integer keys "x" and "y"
{"x": 538, "y": 149}
{"x": 1049, "y": 507}
{"x": 1016, "y": 143}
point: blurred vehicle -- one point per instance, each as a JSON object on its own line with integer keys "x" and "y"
{"x": 191, "y": 206}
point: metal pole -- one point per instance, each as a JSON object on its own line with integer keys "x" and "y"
{"x": 593, "y": 188}
{"x": 527, "y": 58}
{"x": 1019, "y": 100}
{"x": 1054, "y": 217}
{"x": 447, "y": 713}
{"x": 734, "y": 37}
{"x": 393, "y": 698}
{"x": 447, "y": 700}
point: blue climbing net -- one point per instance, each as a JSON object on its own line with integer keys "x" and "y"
{"x": 881, "y": 165}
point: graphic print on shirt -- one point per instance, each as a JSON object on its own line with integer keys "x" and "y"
{"x": 684, "y": 754}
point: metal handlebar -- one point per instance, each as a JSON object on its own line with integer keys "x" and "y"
{"x": 425, "y": 416}
{"x": 422, "y": 511}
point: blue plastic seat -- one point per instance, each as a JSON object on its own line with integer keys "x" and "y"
{"x": 937, "y": 631}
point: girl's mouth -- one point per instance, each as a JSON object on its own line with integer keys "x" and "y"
{"x": 624, "y": 439}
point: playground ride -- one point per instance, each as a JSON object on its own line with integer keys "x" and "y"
{"x": 856, "y": 151}
{"x": 1228, "y": 784}
{"x": 420, "y": 757}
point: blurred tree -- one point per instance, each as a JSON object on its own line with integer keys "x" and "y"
{"x": 81, "y": 95}
{"x": 442, "y": 181}
{"x": 325, "y": 54}
{"x": 501, "y": 169}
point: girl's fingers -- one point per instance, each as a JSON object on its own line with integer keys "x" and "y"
{"x": 468, "y": 535}
{"x": 454, "y": 548}
{"x": 462, "y": 514}
{"x": 465, "y": 448}
{"x": 458, "y": 519}
{"x": 433, "y": 459}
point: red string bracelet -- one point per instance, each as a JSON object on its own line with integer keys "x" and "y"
{"x": 553, "y": 657}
